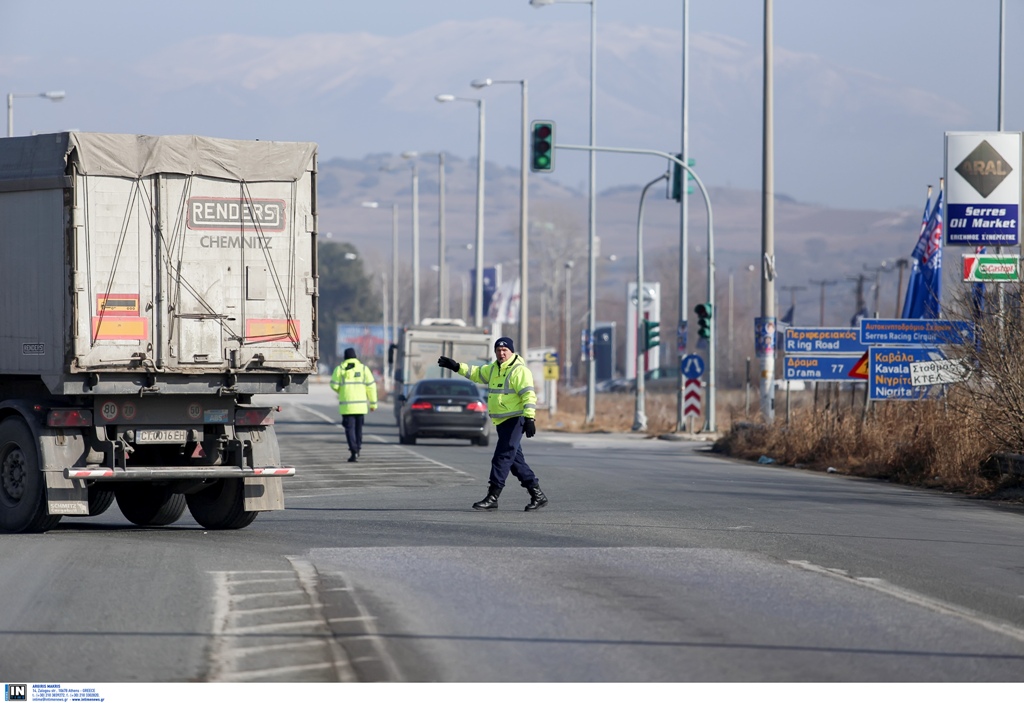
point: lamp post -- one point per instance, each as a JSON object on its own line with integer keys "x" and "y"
{"x": 640, "y": 413}
{"x": 54, "y": 95}
{"x": 567, "y": 354}
{"x": 824, "y": 284}
{"x": 442, "y": 304}
{"x": 592, "y": 208}
{"x": 415, "y": 235}
{"x": 394, "y": 266}
{"x": 478, "y": 293}
{"x": 524, "y": 288}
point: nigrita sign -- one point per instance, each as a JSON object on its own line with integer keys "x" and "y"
{"x": 983, "y": 182}
{"x": 994, "y": 267}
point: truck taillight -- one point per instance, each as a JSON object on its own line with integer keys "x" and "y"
{"x": 254, "y": 417}
{"x": 69, "y": 417}
{"x": 477, "y": 407}
{"x": 421, "y": 405}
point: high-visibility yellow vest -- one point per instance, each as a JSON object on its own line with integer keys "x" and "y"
{"x": 510, "y": 391}
{"x": 353, "y": 381}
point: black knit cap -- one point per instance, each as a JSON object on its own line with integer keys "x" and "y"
{"x": 350, "y": 353}
{"x": 505, "y": 342}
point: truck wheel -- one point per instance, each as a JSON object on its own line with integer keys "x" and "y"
{"x": 100, "y": 498}
{"x": 221, "y": 506}
{"x": 22, "y": 486}
{"x": 148, "y": 505}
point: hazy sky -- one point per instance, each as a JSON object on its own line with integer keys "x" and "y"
{"x": 946, "y": 48}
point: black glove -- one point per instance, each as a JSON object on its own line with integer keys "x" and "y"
{"x": 445, "y": 363}
{"x": 529, "y": 427}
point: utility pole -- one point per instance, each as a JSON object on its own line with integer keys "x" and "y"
{"x": 861, "y": 304}
{"x": 767, "y": 385}
{"x": 792, "y": 295}
{"x": 823, "y": 284}
{"x": 878, "y": 280}
{"x": 900, "y": 265}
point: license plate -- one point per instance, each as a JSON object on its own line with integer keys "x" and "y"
{"x": 449, "y": 408}
{"x": 161, "y": 436}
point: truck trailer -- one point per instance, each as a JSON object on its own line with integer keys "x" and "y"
{"x": 154, "y": 291}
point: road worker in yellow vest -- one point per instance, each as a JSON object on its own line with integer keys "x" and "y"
{"x": 512, "y": 405}
{"x": 353, "y": 381}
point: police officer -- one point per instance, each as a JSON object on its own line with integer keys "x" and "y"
{"x": 512, "y": 405}
{"x": 357, "y": 392}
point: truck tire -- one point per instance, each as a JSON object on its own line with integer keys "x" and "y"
{"x": 100, "y": 498}
{"x": 221, "y": 506}
{"x": 22, "y": 486}
{"x": 149, "y": 505}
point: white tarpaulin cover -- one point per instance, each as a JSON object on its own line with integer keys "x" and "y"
{"x": 136, "y": 156}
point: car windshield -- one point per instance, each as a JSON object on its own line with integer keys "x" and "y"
{"x": 454, "y": 389}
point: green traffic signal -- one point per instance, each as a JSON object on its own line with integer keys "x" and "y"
{"x": 542, "y": 146}
{"x": 704, "y": 314}
{"x": 652, "y": 335}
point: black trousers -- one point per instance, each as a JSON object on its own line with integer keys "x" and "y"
{"x": 508, "y": 456}
{"x": 353, "y": 425}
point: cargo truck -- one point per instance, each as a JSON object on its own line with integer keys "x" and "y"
{"x": 414, "y": 356}
{"x": 152, "y": 288}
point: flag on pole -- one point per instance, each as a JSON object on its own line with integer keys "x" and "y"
{"x": 924, "y": 291}
{"x": 787, "y": 319}
{"x": 919, "y": 248}
{"x": 978, "y": 293}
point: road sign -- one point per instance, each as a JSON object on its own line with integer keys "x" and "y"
{"x": 891, "y": 377}
{"x": 822, "y": 367}
{"x": 692, "y": 366}
{"x": 940, "y": 372}
{"x": 861, "y": 368}
{"x": 692, "y": 395}
{"x": 994, "y": 267}
{"x": 551, "y": 366}
{"x": 915, "y": 332}
{"x": 983, "y": 179}
{"x": 823, "y": 340}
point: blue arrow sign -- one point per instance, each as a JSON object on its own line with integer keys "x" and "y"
{"x": 823, "y": 340}
{"x": 890, "y": 377}
{"x": 821, "y": 367}
{"x": 915, "y": 332}
{"x": 692, "y": 366}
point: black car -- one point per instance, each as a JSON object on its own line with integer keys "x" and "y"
{"x": 444, "y": 408}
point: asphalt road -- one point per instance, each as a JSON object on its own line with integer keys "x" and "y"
{"x": 655, "y": 561}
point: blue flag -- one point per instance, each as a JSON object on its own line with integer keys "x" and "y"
{"x": 924, "y": 292}
{"x": 978, "y": 293}
{"x": 914, "y": 281}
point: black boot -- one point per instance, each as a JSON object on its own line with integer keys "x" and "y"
{"x": 537, "y": 498}
{"x": 490, "y": 502}
{"x": 352, "y": 457}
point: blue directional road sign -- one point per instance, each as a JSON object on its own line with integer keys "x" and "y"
{"x": 889, "y": 375}
{"x": 915, "y": 332}
{"x": 692, "y": 366}
{"x": 820, "y": 367}
{"x": 823, "y": 340}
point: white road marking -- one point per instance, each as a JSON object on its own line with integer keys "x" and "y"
{"x": 918, "y": 599}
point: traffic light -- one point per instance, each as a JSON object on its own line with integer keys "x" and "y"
{"x": 703, "y": 320}
{"x": 677, "y": 178}
{"x": 652, "y": 336}
{"x": 542, "y": 146}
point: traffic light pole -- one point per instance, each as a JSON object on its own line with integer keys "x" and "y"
{"x": 640, "y": 415}
{"x": 709, "y": 415}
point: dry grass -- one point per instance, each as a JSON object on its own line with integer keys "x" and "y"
{"x": 934, "y": 443}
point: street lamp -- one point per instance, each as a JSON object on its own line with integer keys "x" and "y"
{"x": 592, "y": 231}
{"x": 394, "y": 266}
{"x": 478, "y": 293}
{"x": 524, "y": 287}
{"x": 442, "y": 290}
{"x": 567, "y": 354}
{"x": 54, "y": 95}
{"x": 415, "y": 236}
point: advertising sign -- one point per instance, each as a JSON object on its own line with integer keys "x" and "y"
{"x": 991, "y": 267}
{"x": 983, "y": 183}
{"x": 918, "y": 332}
{"x": 891, "y": 376}
{"x": 764, "y": 336}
